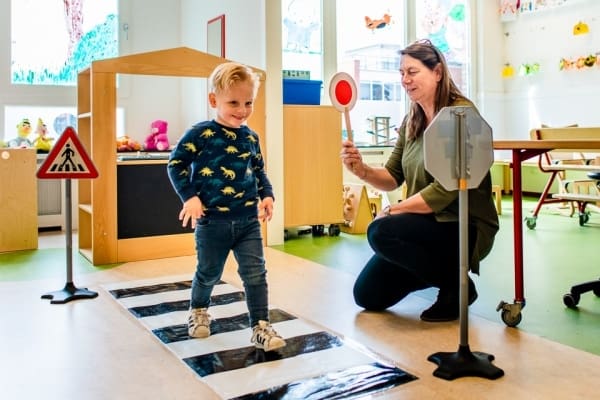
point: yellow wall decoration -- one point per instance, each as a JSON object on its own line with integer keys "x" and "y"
{"x": 581, "y": 28}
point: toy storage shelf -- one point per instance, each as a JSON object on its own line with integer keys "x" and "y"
{"x": 98, "y": 207}
{"x": 312, "y": 166}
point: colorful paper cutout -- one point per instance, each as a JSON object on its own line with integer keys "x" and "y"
{"x": 581, "y": 28}
{"x": 508, "y": 71}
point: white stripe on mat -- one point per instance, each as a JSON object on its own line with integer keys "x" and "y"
{"x": 263, "y": 376}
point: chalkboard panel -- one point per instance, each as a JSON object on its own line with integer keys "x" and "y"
{"x": 146, "y": 202}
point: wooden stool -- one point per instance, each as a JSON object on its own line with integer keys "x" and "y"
{"x": 497, "y": 192}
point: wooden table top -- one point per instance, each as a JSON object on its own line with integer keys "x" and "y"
{"x": 526, "y": 144}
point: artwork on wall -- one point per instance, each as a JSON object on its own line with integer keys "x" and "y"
{"x": 508, "y": 10}
{"x": 51, "y": 42}
{"x": 215, "y": 36}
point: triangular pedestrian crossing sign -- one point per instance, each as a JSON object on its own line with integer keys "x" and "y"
{"x": 67, "y": 159}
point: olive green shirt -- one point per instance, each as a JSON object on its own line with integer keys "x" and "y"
{"x": 407, "y": 165}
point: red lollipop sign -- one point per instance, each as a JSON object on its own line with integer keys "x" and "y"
{"x": 343, "y": 94}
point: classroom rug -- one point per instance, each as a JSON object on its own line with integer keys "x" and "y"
{"x": 316, "y": 364}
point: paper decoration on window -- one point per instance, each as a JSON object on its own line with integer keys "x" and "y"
{"x": 301, "y": 26}
{"x": 434, "y": 23}
{"x": 508, "y": 71}
{"x": 581, "y": 28}
{"x": 380, "y": 23}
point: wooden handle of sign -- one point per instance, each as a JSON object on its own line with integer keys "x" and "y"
{"x": 348, "y": 126}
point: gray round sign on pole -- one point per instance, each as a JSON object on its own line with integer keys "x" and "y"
{"x": 458, "y": 146}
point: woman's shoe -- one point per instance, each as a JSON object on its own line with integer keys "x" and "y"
{"x": 446, "y": 307}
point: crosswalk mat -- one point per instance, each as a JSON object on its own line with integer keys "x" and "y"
{"x": 315, "y": 364}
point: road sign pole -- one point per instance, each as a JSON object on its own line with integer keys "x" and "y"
{"x": 70, "y": 291}
{"x": 462, "y": 362}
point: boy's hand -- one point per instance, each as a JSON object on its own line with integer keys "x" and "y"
{"x": 265, "y": 209}
{"x": 191, "y": 211}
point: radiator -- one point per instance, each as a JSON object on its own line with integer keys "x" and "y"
{"x": 49, "y": 197}
{"x": 50, "y": 201}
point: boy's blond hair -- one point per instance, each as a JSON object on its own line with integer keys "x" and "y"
{"x": 228, "y": 74}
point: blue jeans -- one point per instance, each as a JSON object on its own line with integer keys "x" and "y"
{"x": 214, "y": 240}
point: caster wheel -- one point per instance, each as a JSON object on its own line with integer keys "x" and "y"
{"x": 583, "y": 218}
{"x": 334, "y": 230}
{"x": 530, "y": 222}
{"x": 318, "y": 230}
{"x": 571, "y": 300}
{"x": 509, "y": 319}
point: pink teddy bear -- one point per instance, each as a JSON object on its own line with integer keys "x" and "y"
{"x": 157, "y": 139}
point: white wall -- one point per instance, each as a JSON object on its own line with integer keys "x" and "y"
{"x": 152, "y": 25}
{"x": 488, "y": 51}
{"x": 551, "y": 97}
{"x": 244, "y": 42}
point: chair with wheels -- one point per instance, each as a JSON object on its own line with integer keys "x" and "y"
{"x": 571, "y": 299}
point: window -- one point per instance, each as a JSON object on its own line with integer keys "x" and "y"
{"x": 302, "y": 37}
{"x": 56, "y": 120}
{"x": 369, "y": 36}
{"x": 51, "y": 42}
{"x": 446, "y": 24}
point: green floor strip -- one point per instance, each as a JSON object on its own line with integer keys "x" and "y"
{"x": 43, "y": 263}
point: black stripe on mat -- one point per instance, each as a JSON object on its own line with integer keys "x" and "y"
{"x": 345, "y": 384}
{"x": 177, "y": 333}
{"x": 153, "y": 289}
{"x": 229, "y": 360}
{"x": 182, "y": 305}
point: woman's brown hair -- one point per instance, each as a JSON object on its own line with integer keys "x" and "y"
{"x": 446, "y": 93}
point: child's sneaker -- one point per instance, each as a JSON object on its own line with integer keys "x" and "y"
{"x": 264, "y": 337}
{"x": 199, "y": 323}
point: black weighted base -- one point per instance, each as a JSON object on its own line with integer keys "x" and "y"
{"x": 465, "y": 363}
{"x": 70, "y": 292}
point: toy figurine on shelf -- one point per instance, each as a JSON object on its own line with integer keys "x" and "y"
{"x": 42, "y": 142}
{"x": 23, "y": 131}
{"x": 125, "y": 143}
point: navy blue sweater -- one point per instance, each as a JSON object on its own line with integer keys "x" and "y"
{"x": 223, "y": 166}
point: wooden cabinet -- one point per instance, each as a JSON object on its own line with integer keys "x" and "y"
{"x": 18, "y": 200}
{"x": 312, "y": 166}
{"x": 98, "y": 201}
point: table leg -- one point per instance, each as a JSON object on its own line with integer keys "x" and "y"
{"x": 518, "y": 226}
{"x": 511, "y": 313}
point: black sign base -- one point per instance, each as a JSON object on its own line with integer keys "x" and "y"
{"x": 465, "y": 363}
{"x": 70, "y": 292}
